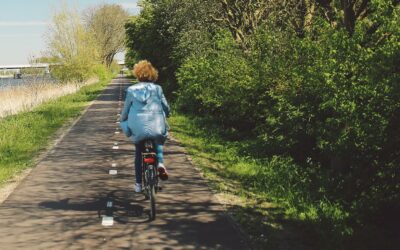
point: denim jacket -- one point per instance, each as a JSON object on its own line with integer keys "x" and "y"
{"x": 146, "y": 109}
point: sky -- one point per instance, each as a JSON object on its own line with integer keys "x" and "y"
{"x": 24, "y": 23}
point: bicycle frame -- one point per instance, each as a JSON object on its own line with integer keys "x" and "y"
{"x": 149, "y": 174}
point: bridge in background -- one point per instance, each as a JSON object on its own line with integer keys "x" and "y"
{"x": 16, "y": 69}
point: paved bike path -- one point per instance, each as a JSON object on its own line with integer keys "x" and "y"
{"x": 64, "y": 200}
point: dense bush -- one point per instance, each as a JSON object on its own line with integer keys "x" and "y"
{"x": 102, "y": 72}
{"x": 330, "y": 100}
{"x": 322, "y": 99}
{"x": 219, "y": 83}
{"x": 73, "y": 71}
{"x": 146, "y": 43}
{"x": 166, "y": 32}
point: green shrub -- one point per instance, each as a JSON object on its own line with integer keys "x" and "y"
{"x": 219, "y": 84}
{"x": 101, "y": 71}
{"x": 321, "y": 102}
{"x": 329, "y": 102}
{"x": 336, "y": 105}
{"x": 74, "y": 70}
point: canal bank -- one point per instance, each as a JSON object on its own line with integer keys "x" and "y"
{"x": 25, "y": 135}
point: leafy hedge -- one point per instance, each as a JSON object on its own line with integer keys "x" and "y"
{"x": 328, "y": 102}
{"x": 324, "y": 103}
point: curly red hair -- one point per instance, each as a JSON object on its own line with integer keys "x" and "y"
{"x": 145, "y": 72}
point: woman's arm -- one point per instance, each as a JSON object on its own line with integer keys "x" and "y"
{"x": 164, "y": 103}
{"x": 127, "y": 106}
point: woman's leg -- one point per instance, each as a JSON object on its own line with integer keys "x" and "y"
{"x": 162, "y": 171}
{"x": 138, "y": 163}
{"x": 160, "y": 153}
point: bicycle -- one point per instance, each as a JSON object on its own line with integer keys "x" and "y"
{"x": 150, "y": 175}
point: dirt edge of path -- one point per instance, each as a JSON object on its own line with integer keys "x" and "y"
{"x": 235, "y": 224}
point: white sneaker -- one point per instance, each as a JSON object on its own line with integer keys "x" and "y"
{"x": 138, "y": 187}
{"x": 162, "y": 172}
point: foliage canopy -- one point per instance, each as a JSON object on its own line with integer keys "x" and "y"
{"x": 312, "y": 81}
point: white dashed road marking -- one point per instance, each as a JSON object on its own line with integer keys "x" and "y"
{"x": 109, "y": 204}
{"x": 107, "y": 221}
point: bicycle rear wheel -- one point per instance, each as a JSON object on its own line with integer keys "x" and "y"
{"x": 151, "y": 180}
{"x": 152, "y": 196}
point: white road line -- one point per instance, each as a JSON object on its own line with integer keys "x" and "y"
{"x": 107, "y": 221}
{"x": 113, "y": 172}
{"x": 117, "y": 132}
{"x": 115, "y": 147}
{"x": 114, "y": 165}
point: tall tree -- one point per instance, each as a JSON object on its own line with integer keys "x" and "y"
{"x": 243, "y": 17}
{"x": 106, "y": 22}
{"x": 72, "y": 45}
{"x": 352, "y": 10}
{"x": 165, "y": 32}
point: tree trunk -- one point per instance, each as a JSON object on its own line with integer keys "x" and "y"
{"x": 310, "y": 10}
{"x": 349, "y": 19}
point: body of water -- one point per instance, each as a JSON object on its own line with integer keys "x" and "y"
{"x": 11, "y": 82}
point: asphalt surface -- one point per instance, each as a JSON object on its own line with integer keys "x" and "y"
{"x": 67, "y": 201}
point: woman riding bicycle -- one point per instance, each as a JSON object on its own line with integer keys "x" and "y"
{"x": 146, "y": 109}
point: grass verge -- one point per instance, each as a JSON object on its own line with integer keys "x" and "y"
{"x": 24, "y": 135}
{"x": 274, "y": 201}
{"x": 230, "y": 172}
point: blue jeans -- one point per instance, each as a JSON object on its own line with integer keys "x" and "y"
{"x": 138, "y": 159}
